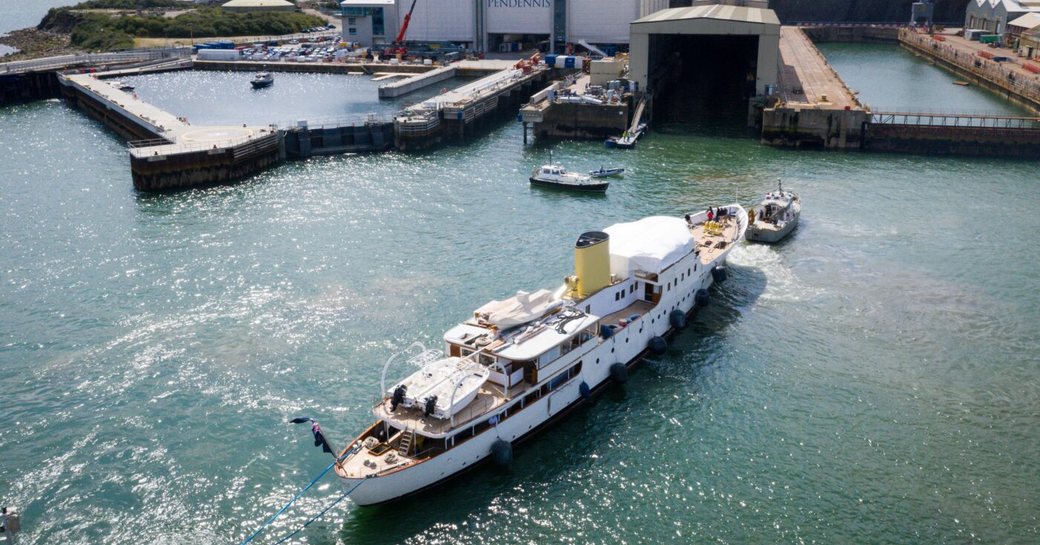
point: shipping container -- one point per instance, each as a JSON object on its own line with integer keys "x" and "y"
{"x": 219, "y": 55}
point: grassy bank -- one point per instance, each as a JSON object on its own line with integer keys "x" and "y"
{"x": 105, "y": 25}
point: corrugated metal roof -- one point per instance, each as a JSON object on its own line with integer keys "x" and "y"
{"x": 1011, "y": 5}
{"x": 1027, "y": 21}
{"x": 716, "y": 11}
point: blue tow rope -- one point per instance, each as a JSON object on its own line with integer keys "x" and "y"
{"x": 318, "y": 516}
{"x": 301, "y": 493}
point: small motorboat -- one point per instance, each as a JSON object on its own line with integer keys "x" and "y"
{"x": 775, "y": 217}
{"x": 261, "y": 80}
{"x": 122, "y": 86}
{"x": 556, "y": 176}
{"x": 627, "y": 140}
{"x": 606, "y": 172}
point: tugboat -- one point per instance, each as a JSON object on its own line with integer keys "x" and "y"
{"x": 554, "y": 175}
{"x": 261, "y": 80}
{"x": 518, "y": 364}
{"x": 775, "y": 217}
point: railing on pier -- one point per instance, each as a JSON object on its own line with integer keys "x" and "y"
{"x": 64, "y": 61}
{"x": 418, "y": 123}
{"x": 924, "y": 119}
{"x": 160, "y": 148}
{"x": 356, "y": 120}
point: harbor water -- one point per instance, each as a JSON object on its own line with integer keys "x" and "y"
{"x": 872, "y": 379}
{"x": 23, "y": 14}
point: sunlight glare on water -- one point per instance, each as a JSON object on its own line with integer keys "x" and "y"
{"x": 872, "y": 379}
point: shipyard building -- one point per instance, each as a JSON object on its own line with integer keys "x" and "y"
{"x": 497, "y": 25}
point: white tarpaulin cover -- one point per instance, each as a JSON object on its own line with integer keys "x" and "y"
{"x": 518, "y": 310}
{"x": 650, "y": 244}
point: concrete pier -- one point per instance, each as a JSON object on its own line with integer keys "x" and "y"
{"x": 452, "y": 114}
{"x": 852, "y": 33}
{"x": 416, "y": 82}
{"x": 815, "y": 108}
{"x": 551, "y": 115}
{"x": 172, "y": 153}
{"x": 37, "y": 79}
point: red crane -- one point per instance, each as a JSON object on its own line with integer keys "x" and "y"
{"x": 404, "y": 25}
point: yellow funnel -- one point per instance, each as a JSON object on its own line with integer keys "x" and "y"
{"x": 592, "y": 262}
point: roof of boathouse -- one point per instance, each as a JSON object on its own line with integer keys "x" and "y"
{"x": 737, "y": 14}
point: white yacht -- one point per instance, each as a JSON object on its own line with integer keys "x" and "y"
{"x": 516, "y": 365}
{"x": 776, "y": 216}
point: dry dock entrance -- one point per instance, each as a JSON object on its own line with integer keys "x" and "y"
{"x": 705, "y": 58}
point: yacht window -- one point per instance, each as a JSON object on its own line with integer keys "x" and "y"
{"x": 486, "y": 359}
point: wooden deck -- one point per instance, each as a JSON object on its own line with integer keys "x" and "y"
{"x": 708, "y": 243}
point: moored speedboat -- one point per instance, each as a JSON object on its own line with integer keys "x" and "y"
{"x": 261, "y": 80}
{"x": 516, "y": 365}
{"x": 606, "y": 172}
{"x": 556, "y": 176}
{"x": 775, "y": 217}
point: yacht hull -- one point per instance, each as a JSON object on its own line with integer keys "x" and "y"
{"x": 626, "y": 346}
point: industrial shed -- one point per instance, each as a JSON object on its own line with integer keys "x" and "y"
{"x": 706, "y": 44}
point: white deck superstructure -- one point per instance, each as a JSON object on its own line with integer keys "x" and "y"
{"x": 540, "y": 353}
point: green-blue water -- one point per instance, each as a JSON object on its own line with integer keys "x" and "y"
{"x": 874, "y": 379}
{"x": 17, "y": 14}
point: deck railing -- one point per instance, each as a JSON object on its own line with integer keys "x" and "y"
{"x": 924, "y": 119}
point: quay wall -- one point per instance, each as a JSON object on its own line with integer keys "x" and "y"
{"x": 813, "y": 127}
{"x": 303, "y": 142}
{"x": 310, "y": 67}
{"x": 28, "y": 86}
{"x": 204, "y": 167}
{"x": 111, "y": 115}
{"x": 852, "y": 33}
{"x": 471, "y": 117}
{"x": 570, "y": 120}
{"x": 965, "y": 141}
{"x": 983, "y": 72}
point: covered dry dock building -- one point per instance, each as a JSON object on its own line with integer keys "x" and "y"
{"x": 710, "y": 56}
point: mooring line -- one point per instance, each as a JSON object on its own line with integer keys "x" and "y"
{"x": 301, "y": 493}
{"x": 319, "y": 515}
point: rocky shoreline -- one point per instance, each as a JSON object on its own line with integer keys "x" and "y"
{"x": 32, "y": 43}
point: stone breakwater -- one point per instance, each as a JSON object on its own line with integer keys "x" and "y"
{"x": 31, "y": 43}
